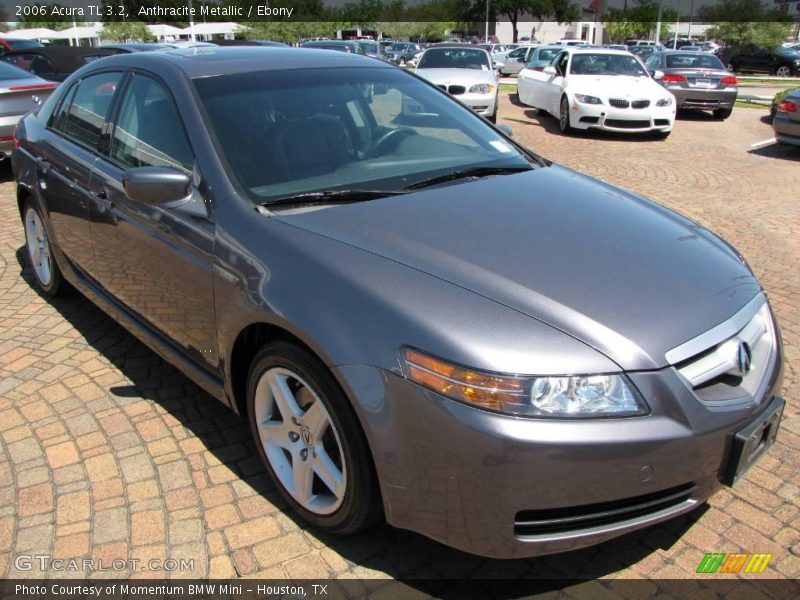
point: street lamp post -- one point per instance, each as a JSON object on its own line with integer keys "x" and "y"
{"x": 486, "y": 34}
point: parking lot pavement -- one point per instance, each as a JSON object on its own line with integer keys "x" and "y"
{"x": 108, "y": 452}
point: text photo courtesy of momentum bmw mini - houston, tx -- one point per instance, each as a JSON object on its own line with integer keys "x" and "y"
{"x": 492, "y": 298}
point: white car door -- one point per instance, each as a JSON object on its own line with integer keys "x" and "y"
{"x": 530, "y": 85}
{"x": 555, "y": 84}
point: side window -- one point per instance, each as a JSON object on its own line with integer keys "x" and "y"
{"x": 652, "y": 63}
{"x": 89, "y": 107}
{"x": 562, "y": 63}
{"x": 149, "y": 130}
{"x": 59, "y": 118}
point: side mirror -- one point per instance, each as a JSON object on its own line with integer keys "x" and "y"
{"x": 506, "y": 129}
{"x": 497, "y": 64}
{"x": 155, "y": 185}
{"x": 658, "y": 75}
{"x": 550, "y": 70}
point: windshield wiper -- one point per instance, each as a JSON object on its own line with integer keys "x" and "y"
{"x": 475, "y": 172}
{"x": 330, "y": 197}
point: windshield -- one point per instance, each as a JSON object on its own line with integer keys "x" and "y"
{"x": 606, "y": 64}
{"x": 294, "y": 132}
{"x": 693, "y": 61}
{"x": 370, "y": 48}
{"x": 23, "y": 44}
{"x": 543, "y": 57}
{"x": 455, "y": 58}
{"x": 318, "y": 46}
{"x": 397, "y": 47}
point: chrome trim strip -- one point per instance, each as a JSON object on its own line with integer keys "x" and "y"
{"x": 717, "y": 334}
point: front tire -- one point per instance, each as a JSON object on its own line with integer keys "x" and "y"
{"x": 563, "y": 117}
{"x": 723, "y": 113}
{"x": 46, "y": 273}
{"x": 783, "y": 71}
{"x": 310, "y": 441}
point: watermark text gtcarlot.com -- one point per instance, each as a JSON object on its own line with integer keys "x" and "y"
{"x": 44, "y": 562}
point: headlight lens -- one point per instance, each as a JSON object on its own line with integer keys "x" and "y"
{"x": 481, "y": 88}
{"x": 569, "y": 396}
{"x": 664, "y": 102}
{"x": 584, "y": 99}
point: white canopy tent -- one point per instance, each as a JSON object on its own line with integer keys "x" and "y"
{"x": 165, "y": 33}
{"x": 207, "y": 31}
{"x": 76, "y": 34}
{"x": 37, "y": 33}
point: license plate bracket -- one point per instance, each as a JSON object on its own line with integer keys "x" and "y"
{"x": 750, "y": 443}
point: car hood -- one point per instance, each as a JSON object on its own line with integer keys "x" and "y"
{"x": 622, "y": 274}
{"x": 616, "y": 86}
{"x": 459, "y": 76}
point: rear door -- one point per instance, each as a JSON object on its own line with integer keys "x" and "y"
{"x": 155, "y": 259}
{"x": 68, "y": 152}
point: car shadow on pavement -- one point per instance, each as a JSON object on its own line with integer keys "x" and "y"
{"x": 780, "y": 151}
{"x": 400, "y": 554}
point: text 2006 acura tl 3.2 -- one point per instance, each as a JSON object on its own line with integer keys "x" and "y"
{"x": 421, "y": 319}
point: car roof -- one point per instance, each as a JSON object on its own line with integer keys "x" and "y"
{"x": 215, "y": 60}
{"x": 459, "y": 46}
{"x": 595, "y": 50}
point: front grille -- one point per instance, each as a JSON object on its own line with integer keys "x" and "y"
{"x": 457, "y": 90}
{"x": 626, "y": 124}
{"x": 618, "y": 102}
{"x": 640, "y": 103}
{"x": 714, "y": 368}
{"x": 531, "y": 523}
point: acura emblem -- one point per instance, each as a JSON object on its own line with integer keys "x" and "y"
{"x": 744, "y": 359}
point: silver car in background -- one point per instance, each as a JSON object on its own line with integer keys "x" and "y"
{"x": 20, "y": 93}
{"x": 516, "y": 60}
{"x": 786, "y": 122}
{"x": 465, "y": 72}
{"x": 699, "y": 81}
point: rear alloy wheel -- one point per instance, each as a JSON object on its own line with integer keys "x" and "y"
{"x": 40, "y": 253}
{"x": 563, "y": 117}
{"x": 310, "y": 441}
{"x": 723, "y": 113}
{"x": 731, "y": 67}
{"x": 783, "y": 71}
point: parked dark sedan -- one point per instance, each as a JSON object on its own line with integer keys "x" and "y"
{"x": 402, "y": 53}
{"x": 55, "y": 63}
{"x": 786, "y": 121}
{"x": 419, "y": 317}
{"x": 780, "y": 61}
{"x": 341, "y": 45}
{"x": 698, "y": 81}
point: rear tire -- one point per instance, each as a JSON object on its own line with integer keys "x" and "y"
{"x": 783, "y": 71}
{"x": 39, "y": 247}
{"x": 722, "y": 113}
{"x": 316, "y": 453}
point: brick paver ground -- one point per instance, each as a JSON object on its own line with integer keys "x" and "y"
{"x": 108, "y": 452}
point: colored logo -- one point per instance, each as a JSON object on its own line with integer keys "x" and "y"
{"x": 720, "y": 562}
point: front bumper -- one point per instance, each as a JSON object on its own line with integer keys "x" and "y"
{"x": 502, "y": 486}
{"x": 594, "y": 116}
{"x": 703, "y": 98}
{"x": 482, "y": 104}
{"x": 787, "y": 130}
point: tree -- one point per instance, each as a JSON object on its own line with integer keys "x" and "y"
{"x": 638, "y": 21}
{"x": 743, "y": 22}
{"x": 563, "y": 11}
{"x": 126, "y": 31}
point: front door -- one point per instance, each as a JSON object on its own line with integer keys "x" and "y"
{"x": 156, "y": 259}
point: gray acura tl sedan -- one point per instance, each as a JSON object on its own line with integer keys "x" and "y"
{"x": 422, "y": 320}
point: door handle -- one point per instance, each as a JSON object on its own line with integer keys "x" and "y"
{"x": 101, "y": 196}
{"x": 44, "y": 166}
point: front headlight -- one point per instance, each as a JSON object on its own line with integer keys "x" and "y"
{"x": 664, "y": 102}
{"x": 584, "y": 99}
{"x": 568, "y": 396}
{"x": 481, "y": 88}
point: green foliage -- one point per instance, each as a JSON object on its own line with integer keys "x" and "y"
{"x": 563, "y": 11}
{"x": 126, "y": 31}
{"x": 744, "y": 22}
{"x": 638, "y": 21}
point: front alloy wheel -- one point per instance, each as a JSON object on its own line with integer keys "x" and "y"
{"x": 783, "y": 71}
{"x": 310, "y": 440}
{"x": 563, "y": 118}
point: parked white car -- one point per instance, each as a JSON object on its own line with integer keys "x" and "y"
{"x": 599, "y": 89}
{"x": 466, "y": 73}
